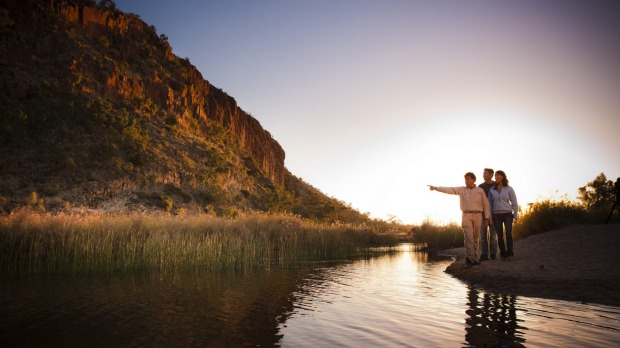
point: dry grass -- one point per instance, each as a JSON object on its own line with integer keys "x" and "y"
{"x": 431, "y": 236}
{"x": 34, "y": 243}
{"x": 546, "y": 215}
{"x": 542, "y": 216}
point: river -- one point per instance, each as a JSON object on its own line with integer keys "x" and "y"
{"x": 396, "y": 299}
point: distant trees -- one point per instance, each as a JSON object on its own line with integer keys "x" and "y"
{"x": 597, "y": 194}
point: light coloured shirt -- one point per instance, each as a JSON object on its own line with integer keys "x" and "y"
{"x": 504, "y": 200}
{"x": 472, "y": 199}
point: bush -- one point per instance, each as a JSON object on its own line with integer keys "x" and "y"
{"x": 104, "y": 42}
{"x": 165, "y": 202}
{"x": 134, "y": 137}
{"x": 171, "y": 120}
{"x": 34, "y": 202}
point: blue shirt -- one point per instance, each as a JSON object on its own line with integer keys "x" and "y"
{"x": 506, "y": 199}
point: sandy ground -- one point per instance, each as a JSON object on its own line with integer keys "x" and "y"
{"x": 575, "y": 263}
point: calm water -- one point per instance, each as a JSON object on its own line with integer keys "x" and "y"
{"x": 402, "y": 299}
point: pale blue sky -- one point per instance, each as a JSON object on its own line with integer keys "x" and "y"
{"x": 373, "y": 100}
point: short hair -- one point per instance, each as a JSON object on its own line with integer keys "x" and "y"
{"x": 471, "y": 175}
{"x": 489, "y": 170}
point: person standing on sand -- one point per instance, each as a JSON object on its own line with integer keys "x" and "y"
{"x": 616, "y": 202}
{"x": 473, "y": 204}
{"x": 505, "y": 211}
{"x": 487, "y": 233}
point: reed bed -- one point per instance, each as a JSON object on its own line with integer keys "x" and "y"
{"x": 34, "y": 243}
{"x": 432, "y": 236}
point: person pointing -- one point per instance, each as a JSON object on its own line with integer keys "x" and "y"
{"x": 474, "y": 204}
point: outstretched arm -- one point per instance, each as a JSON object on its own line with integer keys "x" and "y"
{"x": 448, "y": 190}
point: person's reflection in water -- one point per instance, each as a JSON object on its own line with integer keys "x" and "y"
{"x": 492, "y": 321}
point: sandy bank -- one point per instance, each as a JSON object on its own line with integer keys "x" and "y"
{"x": 576, "y": 263}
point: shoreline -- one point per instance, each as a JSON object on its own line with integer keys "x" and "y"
{"x": 575, "y": 263}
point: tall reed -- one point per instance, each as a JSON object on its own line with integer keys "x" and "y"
{"x": 432, "y": 236}
{"x": 33, "y": 243}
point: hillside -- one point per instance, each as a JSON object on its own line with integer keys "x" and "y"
{"x": 98, "y": 112}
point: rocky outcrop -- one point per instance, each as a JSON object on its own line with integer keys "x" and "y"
{"x": 173, "y": 85}
{"x": 97, "y": 113}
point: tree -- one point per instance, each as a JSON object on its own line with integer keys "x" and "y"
{"x": 598, "y": 193}
{"x": 107, "y": 4}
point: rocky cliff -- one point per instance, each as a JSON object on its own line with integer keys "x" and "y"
{"x": 187, "y": 96}
{"x": 97, "y": 112}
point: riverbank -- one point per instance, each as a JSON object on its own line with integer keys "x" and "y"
{"x": 575, "y": 263}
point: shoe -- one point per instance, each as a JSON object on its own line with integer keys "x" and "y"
{"x": 468, "y": 263}
{"x": 484, "y": 258}
{"x": 476, "y": 263}
{"x": 492, "y": 256}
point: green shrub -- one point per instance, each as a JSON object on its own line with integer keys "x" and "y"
{"x": 150, "y": 106}
{"x": 104, "y": 42}
{"x": 134, "y": 137}
{"x": 165, "y": 202}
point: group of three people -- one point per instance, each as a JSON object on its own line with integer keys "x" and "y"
{"x": 489, "y": 210}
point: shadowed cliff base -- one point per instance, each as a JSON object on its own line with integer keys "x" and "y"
{"x": 574, "y": 263}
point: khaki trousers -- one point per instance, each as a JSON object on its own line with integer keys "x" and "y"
{"x": 472, "y": 223}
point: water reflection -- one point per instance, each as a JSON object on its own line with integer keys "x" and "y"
{"x": 220, "y": 309}
{"x": 398, "y": 299}
{"x": 492, "y": 321}
{"x": 407, "y": 300}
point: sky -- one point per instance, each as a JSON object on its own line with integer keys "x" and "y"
{"x": 374, "y": 100}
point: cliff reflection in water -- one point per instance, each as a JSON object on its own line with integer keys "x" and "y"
{"x": 233, "y": 308}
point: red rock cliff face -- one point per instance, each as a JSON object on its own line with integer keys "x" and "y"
{"x": 174, "y": 85}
